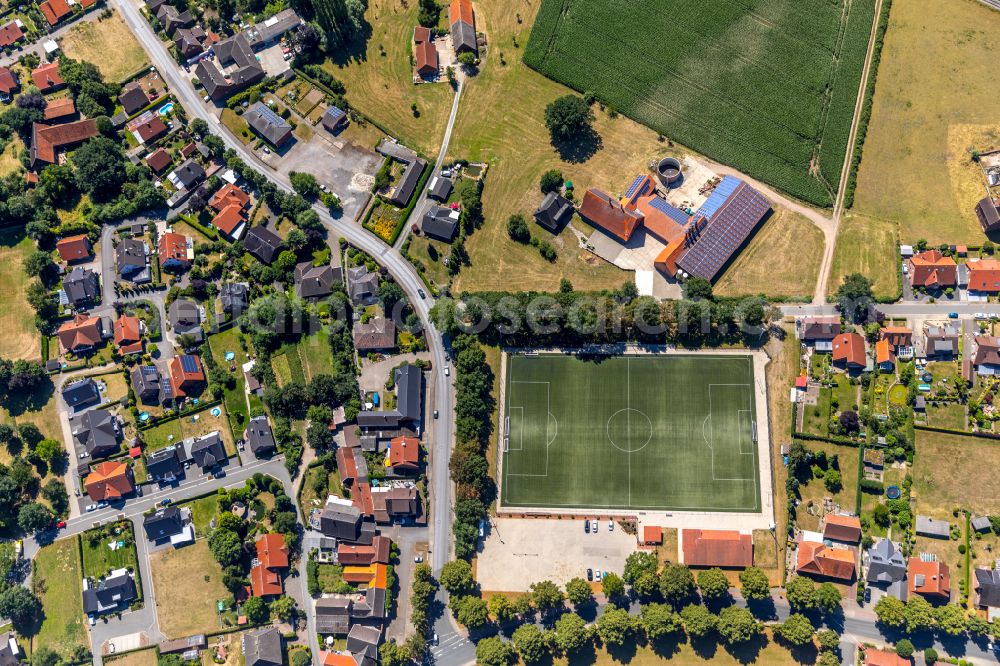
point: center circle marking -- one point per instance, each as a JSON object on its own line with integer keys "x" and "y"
{"x": 634, "y": 424}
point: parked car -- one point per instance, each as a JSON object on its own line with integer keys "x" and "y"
{"x": 166, "y": 501}
{"x": 83, "y": 454}
{"x": 981, "y": 315}
{"x": 952, "y": 315}
{"x": 418, "y": 559}
{"x": 61, "y": 524}
{"x": 590, "y": 574}
{"x": 586, "y": 527}
{"x": 611, "y": 526}
{"x": 597, "y": 575}
{"x": 447, "y": 371}
{"x": 596, "y": 525}
{"x": 102, "y": 505}
{"x": 422, "y": 294}
{"x": 91, "y": 507}
{"x": 435, "y": 413}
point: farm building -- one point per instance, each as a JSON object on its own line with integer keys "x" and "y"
{"x": 426, "y": 56}
{"x": 463, "y": 27}
{"x": 929, "y": 527}
{"x": 268, "y": 125}
{"x": 334, "y": 119}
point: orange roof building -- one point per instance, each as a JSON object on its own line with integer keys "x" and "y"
{"x": 884, "y": 353}
{"x": 817, "y": 559}
{"x": 128, "y": 334}
{"x": 158, "y": 160}
{"x": 842, "y": 528}
{"x": 80, "y": 334}
{"x": 426, "y": 54}
{"x": 930, "y": 579}
{"x": 272, "y": 557}
{"x": 54, "y": 10}
{"x": 48, "y": 140}
{"x": 336, "y": 659}
{"x": 607, "y": 213}
{"x": 46, "y": 77}
{"x": 361, "y": 555}
{"x": 652, "y": 535}
{"x": 175, "y": 251}
{"x": 150, "y": 130}
{"x": 984, "y": 275}
{"x": 59, "y": 108}
{"x": 228, "y": 195}
{"x": 404, "y": 454}
{"x": 849, "y": 350}
{"x": 186, "y": 374}
{"x": 109, "y": 480}
{"x": 932, "y": 270}
{"x": 898, "y": 336}
{"x": 75, "y": 248}
{"x": 876, "y": 657}
{"x": 230, "y": 203}
{"x": 10, "y": 33}
{"x": 717, "y": 548}
{"x": 9, "y": 82}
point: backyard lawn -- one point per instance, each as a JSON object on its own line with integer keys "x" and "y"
{"x": 189, "y": 425}
{"x": 99, "y": 559}
{"x": 766, "y": 265}
{"x": 109, "y": 44}
{"x": 9, "y": 162}
{"x": 868, "y": 246}
{"x": 310, "y": 494}
{"x": 17, "y": 320}
{"x": 235, "y": 398}
{"x": 947, "y": 466}
{"x": 815, "y": 490}
{"x": 929, "y": 105}
{"x": 188, "y": 583}
{"x": 56, "y": 581}
{"x": 203, "y": 510}
{"x": 138, "y": 658}
{"x": 946, "y": 415}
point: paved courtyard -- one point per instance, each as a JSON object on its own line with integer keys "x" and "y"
{"x": 521, "y": 551}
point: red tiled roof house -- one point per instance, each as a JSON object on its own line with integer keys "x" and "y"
{"x": 932, "y": 270}
{"x": 272, "y": 559}
{"x": 75, "y": 248}
{"x": 849, "y": 351}
{"x": 717, "y": 548}
{"x": 109, "y": 481}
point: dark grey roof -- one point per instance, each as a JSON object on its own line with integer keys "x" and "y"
{"x": 886, "y": 564}
{"x": 147, "y": 383}
{"x": 81, "y": 286}
{"x": 189, "y": 173}
{"x": 981, "y": 523}
{"x": 183, "y": 314}
{"x": 154, "y": 5}
{"x": 130, "y": 256}
{"x": 109, "y": 594}
{"x": 439, "y": 222}
{"x": 164, "y": 465}
{"x": 313, "y": 281}
{"x": 333, "y": 615}
{"x": 235, "y": 296}
{"x": 83, "y": 392}
{"x": 989, "y": 587}
{"x": 259, "y": 436}
{"x": 409, "y": 400}
{"x": 345, "y": 523}
{"x": 172, "y": 20}
{"x": 262, "y": 647}
{"x": 272, "y": 28}
{"x": 208, "y": 451}
{"x": 361, "y": 284}
{"x": 407, "y": 185}
{"x": 97, "y": 431}
{"x": 392, "y": 148}
{"x": 554, "y": 211}
{"x": 334, "y": 118}
{"x": 364, "y": 640}
{"x": 9, "y": 650}
{"x": 268, "y": 124}
{"x": 263, "y": 243}
{"x": 133, "y": 98}
{"x": 162, "y": 524}
{"x": 933, "y": 528}
{"x": 440, "y": 188}
{"x": 384, "y": 420}
{"x": 190, "y": 41}
{"x": 463, "y": 37}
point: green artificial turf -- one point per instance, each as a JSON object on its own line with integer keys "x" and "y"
{"x": 630, "y": 432}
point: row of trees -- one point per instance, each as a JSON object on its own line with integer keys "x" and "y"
{"x": 917, "y": 615}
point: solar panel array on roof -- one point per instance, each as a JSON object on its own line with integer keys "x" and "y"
{"x": 268, "y": 114}
{"x": 189, "y": 363}
{"x": 633, "y": 188}
{"x": 718, "y": 197}
{"x": 728, "y": 229}
{"x": 674, "y": 213}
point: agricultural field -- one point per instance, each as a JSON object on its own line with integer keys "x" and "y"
{"x": 379, "y": 80}
{"x": 947, "y": 466}
{"x": 20, "y": 338}
{"x": 57, "y": 573}
{"x": 868, "y": 246}
{"x": 188, "y": 583}
{"x": 929, "y": 112}
{"x": 767, "y": 266}
{"x": 95, "y": 41}
{"x": 767, "y": 88}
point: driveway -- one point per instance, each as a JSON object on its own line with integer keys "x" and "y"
{"x": 408, "y": 539}
{"x": 374, "y": 375}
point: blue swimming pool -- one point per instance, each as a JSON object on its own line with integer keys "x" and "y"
{"x": 166, "y": 109}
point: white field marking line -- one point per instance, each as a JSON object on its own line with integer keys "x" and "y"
{"x": 520, "y": 429}
{"x": 711, "y": 412}
{"x": 740, "y": 413}
{"x": 628, "y": 420}
{"x": 548, "y": 413}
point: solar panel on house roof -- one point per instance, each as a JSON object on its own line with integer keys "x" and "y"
{"x": 189, "y": 364}
{"x": 728, "y": 229}
{"x": 718, "y": 197}
{"x": 633, "y": 188}
{"x": 674, "y": 213}
{"x": 268, "y": 114}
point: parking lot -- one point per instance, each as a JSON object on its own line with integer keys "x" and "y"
{"x": 520, "y": 551}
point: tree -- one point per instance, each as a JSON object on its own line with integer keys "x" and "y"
{"x": 850, "y": 422}
{"x": 467, "y": 59}
{"x": 20, "y": 605}
{"x": 546, "y": 595}
{"x": 471, "y": 611}
{"x": 517, "y": 228}
{"x": 309, "y": 219}
{"x": 881, "y": 515}
{"x": 832, "y": 481}
{"x": 904, "y": 648}
{"x": 568, "y": 117}
{"x": 304, "y": 184}
{"x": 232, "y": 522}
{"x": 29, "y": 434}
{"x": 827, "y": 597}
{"x": 429, "y": 12}
{"x": 754, "y": 583}
{"x": 637, "y": 563}
{"x": 919, "y": 614}
{"x": 613, "y": 586}
{"x": 930, "y": 656}
{"x": 828, "y": 659}
{"x": 578, "y": 591}
{"x": 615, "y": 626}
{"x": 950, "y": 619}
{"x": 890, "y": 611}
{"x": 796, "y": 630}
{"x": 529, "y": 641}
{"x": 255, "y": 610}
{"x": 389, "y": 654}
{"x": 659, "y": 620}
{"x": 698, "y": 620}
{"x": 676, "y": 583}
{"x": 501, "y": 608}
{"x": 494, "y": 651}
{"x": 226, "y": 546}
{"x": 456, "y": 577}
{"x": 571, "y": 632}
{"x": 698, "y": 289}
{"x": 828, "y": 639}
{"x": 551, "y": 181}
{"x": 50, "y": 450}
{"x": 54, "y": 491}
{"x": 38, "y": 263}
{"x": 44, "y": 656}
{"x": 854, "y": 297}
{"x": 100, "y": 168}
{"x": 737, "y": 625}
{"x": 801, "y": 593}
{"x": 284, "y": 608}
{"x": 33, "y": 517}
{"x": 712, "y": 583}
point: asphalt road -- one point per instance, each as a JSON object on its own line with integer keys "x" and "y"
{"x": 901, "y": 309}
{"x": 439, "y": 431}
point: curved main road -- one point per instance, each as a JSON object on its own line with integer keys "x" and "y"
{"x": 439, "y": 432}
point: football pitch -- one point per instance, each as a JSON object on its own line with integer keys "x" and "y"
{"x": 663, "y": 433}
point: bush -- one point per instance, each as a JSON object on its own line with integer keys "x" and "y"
{"x": 517, "y": 228}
